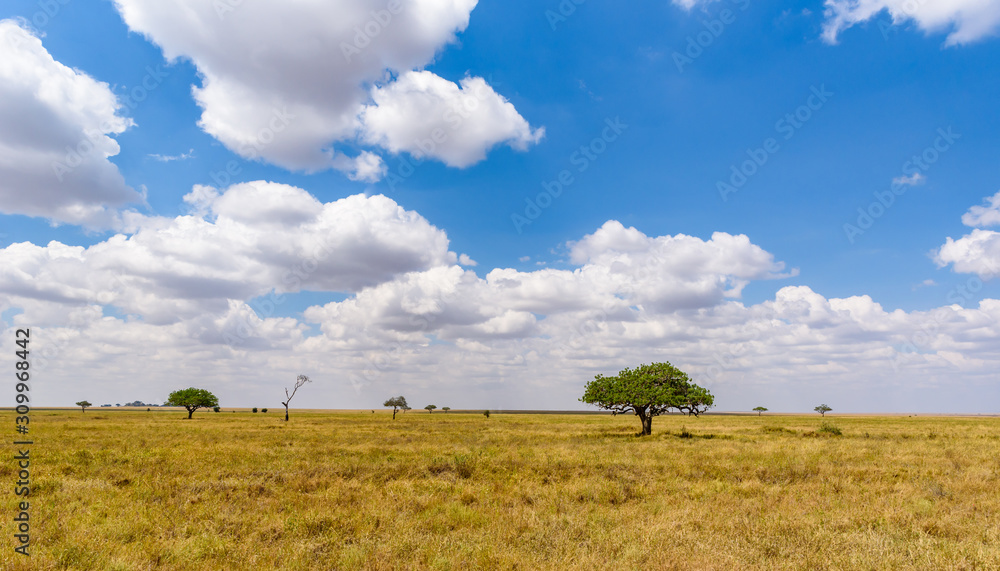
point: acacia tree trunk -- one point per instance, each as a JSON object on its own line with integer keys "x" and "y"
{"x": 190, "y": 412}
{"x": 286, "y": 413}
{"x": 647, "y": 420}
{"x": 394, "y": 413}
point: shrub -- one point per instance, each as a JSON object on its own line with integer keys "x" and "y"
{"x": 776, "y": 429}
{"x": 215, "y": 408}
{"x": 486, "y": 413}
{"x": 684, "y": 433}
{"x": 263, "y": 410}
{"x": 827, "y": 428}
{"x": 254, "y": 409}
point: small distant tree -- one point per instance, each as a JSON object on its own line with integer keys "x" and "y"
{"x": 430, "y": 407}
{"x": 192, "y": 399}
{"x": 216, "y": 409}
{"x": 299, "y": 381}
{"x": 255, "y": 409}
{"x": 405, "y": 408}
{"x": 396, "y": 403}
{"x": 263, "y": 410}
{"x": 760, "y": 409}
{"x": 822, "y": 409}
{"x": 486, "y": 413}
{"x": 648, "y": 391}
{"x": 83, "y": 405}
{"x": 446, "y": 408}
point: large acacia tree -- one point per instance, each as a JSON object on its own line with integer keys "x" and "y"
{"x": 192, "y": 399}
{"x": 648, "y": 391}
{"x": 396, "y": 403}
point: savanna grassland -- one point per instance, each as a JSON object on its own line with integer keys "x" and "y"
{"x": 136, "y": 490}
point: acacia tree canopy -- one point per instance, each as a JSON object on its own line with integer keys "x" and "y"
{"x": 396, "y": 403}
{"x": 192, "y": 399}
{"x": 648, "y": 391}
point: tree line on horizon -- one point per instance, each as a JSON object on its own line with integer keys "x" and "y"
{"x": 645, "y": 391}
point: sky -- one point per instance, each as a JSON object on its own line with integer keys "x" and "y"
{"x": 486, "y": 204}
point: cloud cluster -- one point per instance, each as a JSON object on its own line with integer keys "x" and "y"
{"x": 426, "y": 115}
{"x": 56, "y": 128}
{"x": 291, "y": 83}
{"x": 965, "y": 20}
{"x": 979, "y": 251}
{"x": 621, "y": 272}
{"x": 249, "y": 240}
{"x": 176, "y": 290}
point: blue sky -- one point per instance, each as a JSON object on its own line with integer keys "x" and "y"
{"x": 664, "y": 99}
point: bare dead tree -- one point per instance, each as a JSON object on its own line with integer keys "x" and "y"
{"x": 299, "y": 381}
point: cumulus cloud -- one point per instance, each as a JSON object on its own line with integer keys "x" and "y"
{"x": 426, "y": 115}
{"x": 912, "y": 180}
{"x": 417, "y": 322}
{"x": 56, "y": 128}
{"x": 979, "y": 251}
{"x": 965, "y": 21}
{"x": 975, "y": 253}
{"x": 291, "y": 93}
{"x": 621, "y": 272}
{"x": 248, "y": 240}
{"x": 986, "y": 215}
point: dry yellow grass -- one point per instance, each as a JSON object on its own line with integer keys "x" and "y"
{"x": 152, "y": 490}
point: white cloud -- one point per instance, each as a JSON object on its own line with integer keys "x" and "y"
{"x": 979, "y": 251}
{"x": 170, "y": 158}
{"x": 987, "y": 215}
{"x": 421, "y": 325}
{"x": 621, "y": 272}
{"x": 426, "y": 115}
{"x": 286, "y": 83}
{"x": 965, "y": 21}
{"x": 261, "y": 237}
{"x": 56, "y": 125}
{"x": 975, "y": 253}
{"x": 688, "y": 4}
{"x": 912, "y": 180}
